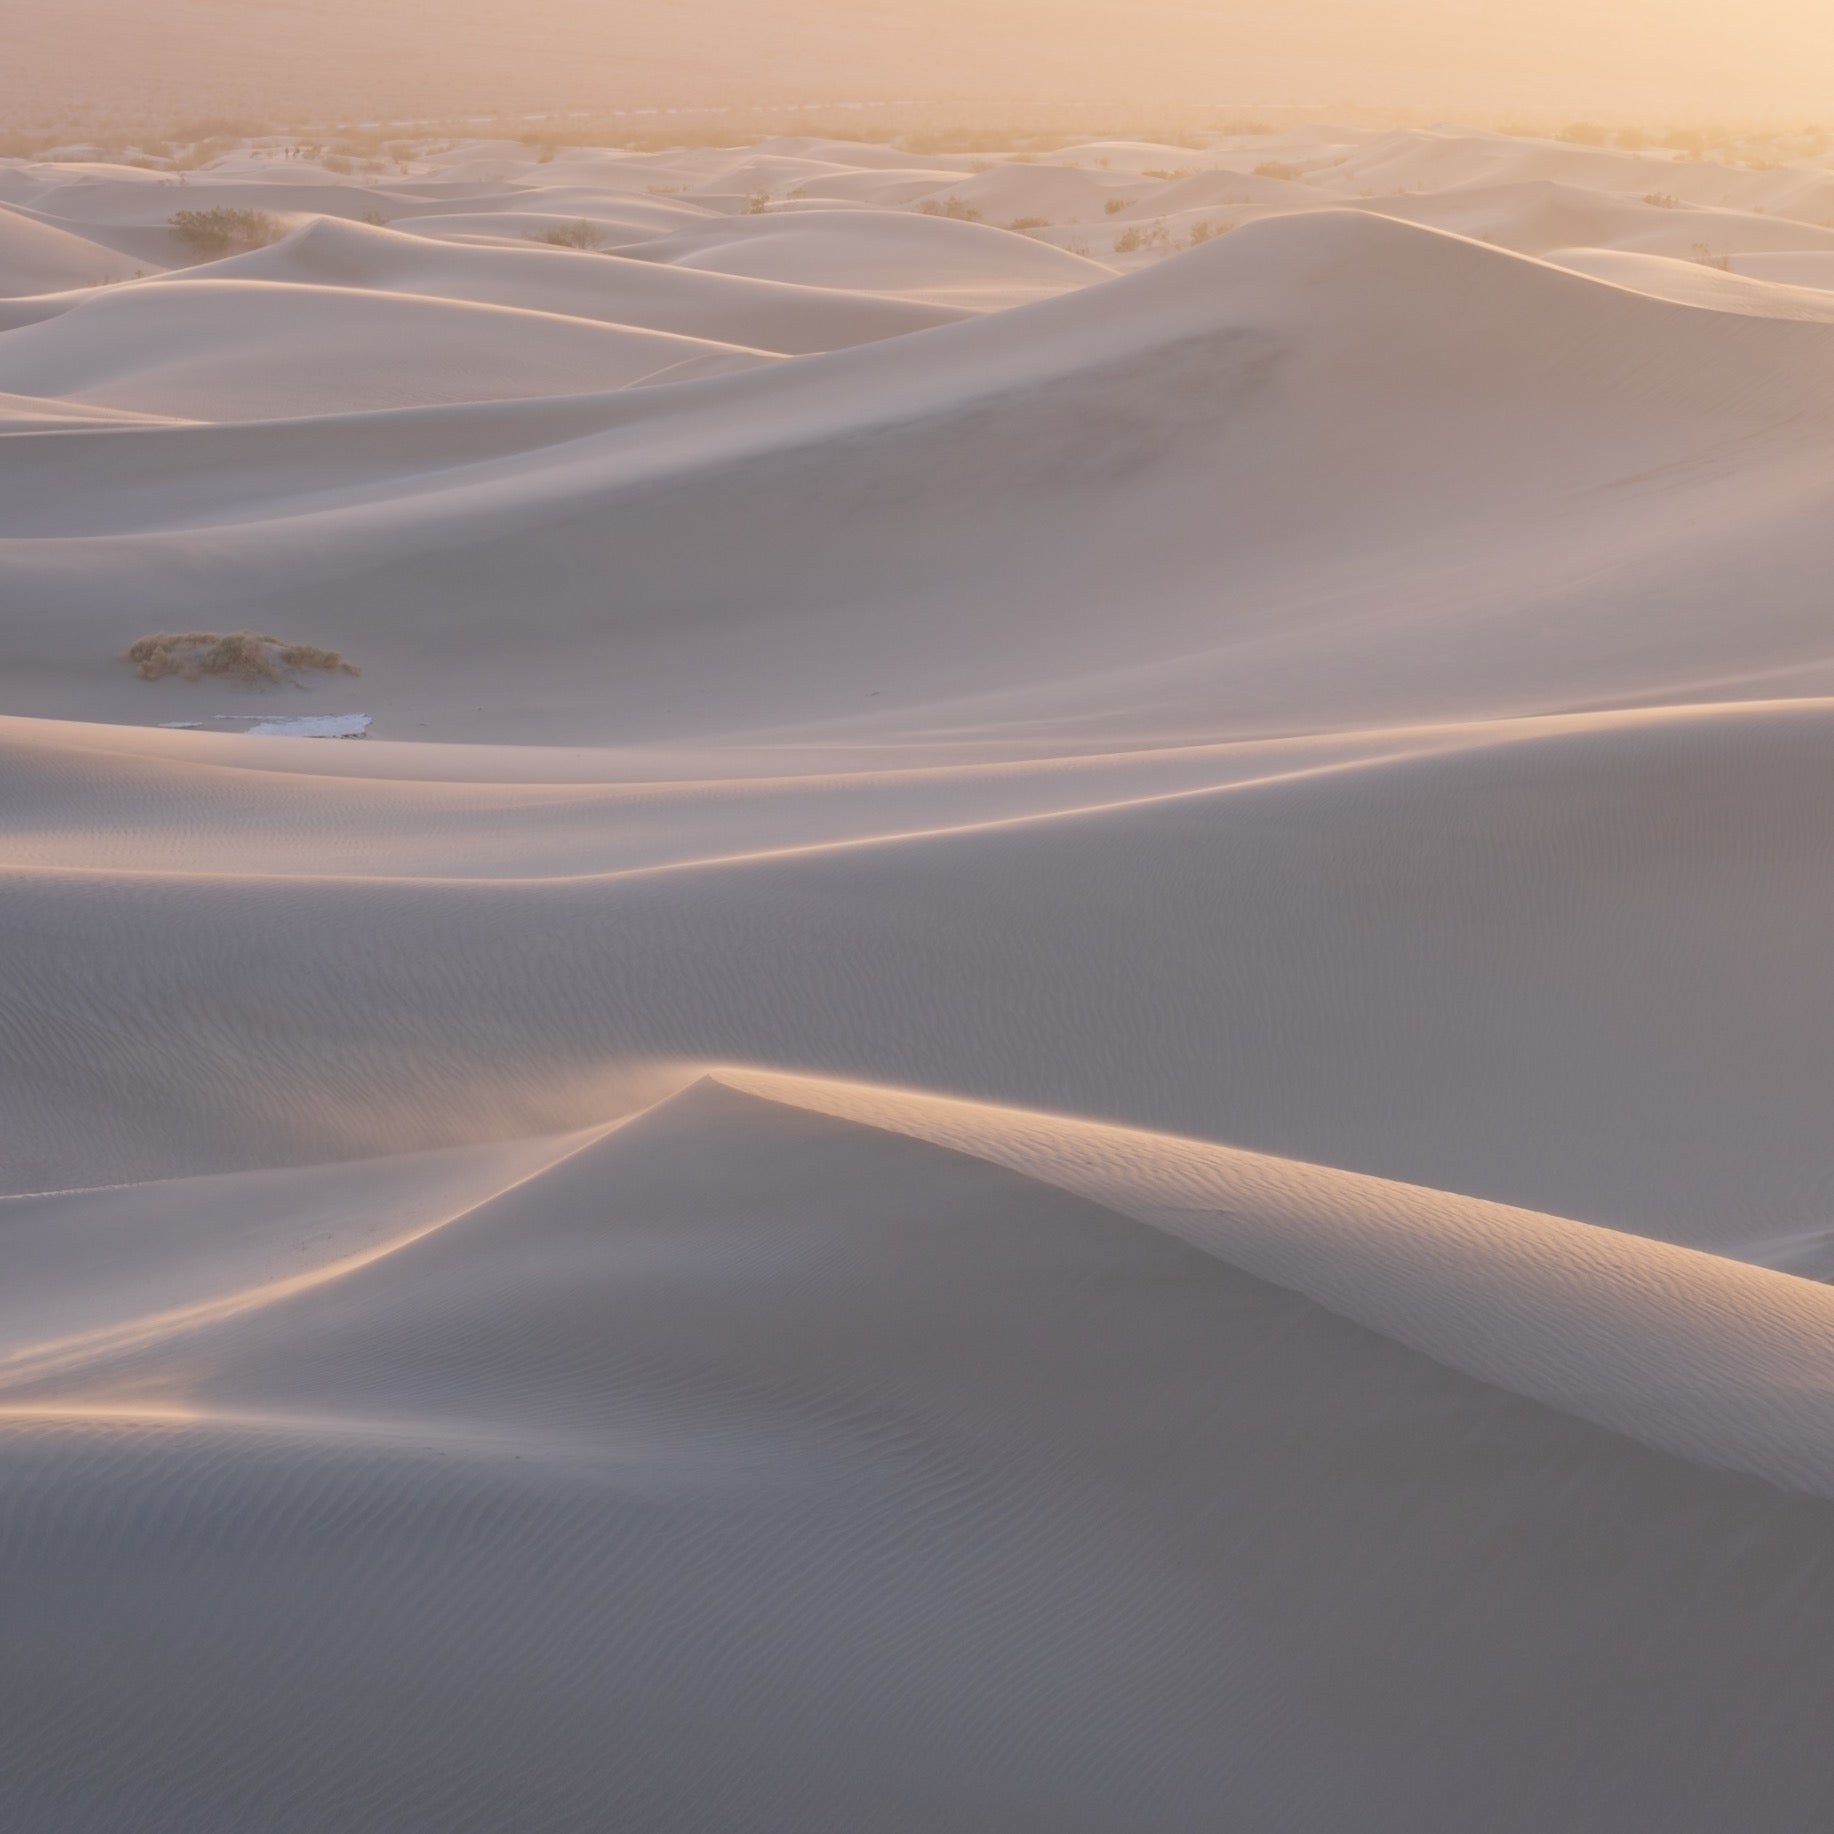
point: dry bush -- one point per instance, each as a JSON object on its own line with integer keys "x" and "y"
{"x": 1115, "y": 205}
{"x": 1131, "y": 241}
{"x": 952, "y": 207}
{"x": 240, "y": 656}
{"x": 1022, "y": 224}
{"x": 213, "y": 233}
{"x": 572, "y": 235}
{"x": 1276, "y": 168}
{"x": 1663, "y": 200}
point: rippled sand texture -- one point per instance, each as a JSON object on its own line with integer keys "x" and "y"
{"x": 1061, "y": 1066}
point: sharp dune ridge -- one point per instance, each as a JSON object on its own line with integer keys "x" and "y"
{"x": 1060, "y": 1063}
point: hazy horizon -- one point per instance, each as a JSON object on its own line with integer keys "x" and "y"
{"x": 89, "y": 60}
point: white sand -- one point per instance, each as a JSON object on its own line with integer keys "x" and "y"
{"x": 1060, "y": 1064}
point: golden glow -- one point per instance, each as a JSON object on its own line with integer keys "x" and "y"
{"x": 1623, "y": 59}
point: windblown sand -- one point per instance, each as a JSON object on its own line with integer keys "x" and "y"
{"x": 1062, "y": 1065}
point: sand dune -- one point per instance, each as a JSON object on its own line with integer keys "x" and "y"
{"x": 1060, "y": 1065}
{"x": 787, "y": 319}
{"x": 40, "y": 258}
{"x": 239, "y": 351}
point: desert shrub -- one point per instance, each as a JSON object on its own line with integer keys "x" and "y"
{"x": 339, "y": 163}
{"x": 1276, "y": 168}
{"x": 1169, "y": 177}
{"x": 1663, "y": 200}
{"x": 211, "y": 233}
{"x": 1132, "y": 240}
{"x": 375, "y": 219}
{"x": 1115, "y": 205}
{"x": 1207, "y": 232}
{"x": 240, "y": 656}
{"x": 758, "y": 204}
{"x": 952, "y": 207}
{"x": 569, "y": 235}
{"x": 1022, "y": 224}
{"x": 1585, "y": 133}
{"x": 1705, "y": 256}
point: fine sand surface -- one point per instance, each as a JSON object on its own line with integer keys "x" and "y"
{"x": 1062, "y": 1064}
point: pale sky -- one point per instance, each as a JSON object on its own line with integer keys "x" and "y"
{"x": 1652, "y": 59}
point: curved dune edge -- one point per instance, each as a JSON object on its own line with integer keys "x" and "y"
{"x": 1716, "y": 1361}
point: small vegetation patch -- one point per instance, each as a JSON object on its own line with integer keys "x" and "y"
{"x": 239, "y": 656}
{"x": 1663, "y": 200}
{"x": 1022, "y": 224}
{"x": 1276, "y": 168}
{"x": 569, "y": 235}
{"x": 953, "y": 207}
{"x": 1132, "y": 241}
{"x": 210, "y": 234}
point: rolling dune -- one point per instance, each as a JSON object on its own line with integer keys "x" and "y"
{"x": 1061, "y": 1064}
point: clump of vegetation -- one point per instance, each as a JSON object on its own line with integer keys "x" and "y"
{"x": 569, "y": 235}
{"x": 758, "y": 204}
{"x": 1663, "y": 200}
{"x": 1276, "y": 168}
{"x": 210, "y": 234}
{"x": 1585, "y": 133}
{"x": 1115, "y": 205}
{"x": 1168, "y": 177}
{"x": 952, "y": 207}
{"x": 1207, "y": 231}
{"x": 240, "y": 656}
{"x": 1130, "y": 241}
{"x": 1707, "y": 258}
{"x": 1022, "y": 224}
